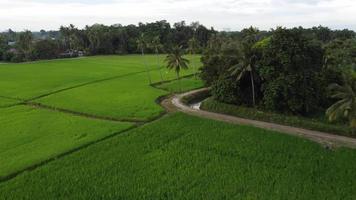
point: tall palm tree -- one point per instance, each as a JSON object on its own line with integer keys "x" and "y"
{"x": 240, "y": 69}
{"x": 346, "y": 104}
{"x": 141, "y": 45}
{"x": 156, "y": 45}
{"x": 247, "y": 60}
{"x": 176, "y": 62}
{"x": 192, "y": 49}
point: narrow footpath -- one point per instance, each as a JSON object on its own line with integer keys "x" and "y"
{"x": 327, "y": 139}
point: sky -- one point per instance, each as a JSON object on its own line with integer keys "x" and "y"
{"x": 231, "y": 15}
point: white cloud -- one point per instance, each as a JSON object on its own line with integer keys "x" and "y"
{"x": 233, "y": 14}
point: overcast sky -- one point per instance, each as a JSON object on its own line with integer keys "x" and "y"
{"x": 221, "y": 14}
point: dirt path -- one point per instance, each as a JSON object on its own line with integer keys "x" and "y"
{"x": 326, "y": 139}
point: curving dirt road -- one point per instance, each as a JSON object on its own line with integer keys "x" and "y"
{"x": 327, "y": 139}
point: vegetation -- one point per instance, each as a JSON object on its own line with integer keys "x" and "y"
{"x": 317, "y": 123}
{"x": 187, "y": 84}
{"x": 346, "y": 106}
{"x": 29, "y": 136}
{"x": 49, "y": 109}
{"x": 176, "y": 62}
{"x": 111, "y": 89}
{"x": 184, "y": 157}
{"x": 288, "y": 70}
{"x": 33, "y": 81}
{"x": 100, "y": 39}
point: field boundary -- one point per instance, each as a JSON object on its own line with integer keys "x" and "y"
{"x": 82, "y": 85}
{"x": 327, "y": 139}
{"x": 34, "y": 166}
{"x": 135, "y": 125}
{"x": 81, "y": 114}
{"x": 74, "y": 87}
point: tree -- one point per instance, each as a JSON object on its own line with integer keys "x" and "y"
{"x": 45, "y": 49}
{"x": 192, "y": 49}
{"x": 346, "y": 104}
{"x": 290, "y": 70}
{"x": 176, "y": 62}
{"x": 141, "y": 45}
{"x": 3, "y": 46}
{"x": 156, "y": 45}
{"x": 24, "y": 43}
{"x": 247, "y": 61}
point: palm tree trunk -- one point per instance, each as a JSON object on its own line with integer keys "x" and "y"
{"x": 160, "y": 71}
{"x": 180, "y": 86}
{"x": 253, "y": 89}
{"x": 195, "y": 73}
{"x": 148, "y": 72}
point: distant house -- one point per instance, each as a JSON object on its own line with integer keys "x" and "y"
{"x": 71, "y": 54}
{"x": 11, "y": 43}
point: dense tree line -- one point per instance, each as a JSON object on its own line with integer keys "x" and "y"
{"x": 101, "y": 39}
{"x": 285, "y": 70}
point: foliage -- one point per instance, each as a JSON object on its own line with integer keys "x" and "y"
{"x": 290, "y": 68}
{"x": 291, "y": 73}
{"x": 247, "y": 60}
{"x": 99, "y": 39}
{"x": 220, "y": 54}
{"x": 226, "y": 90}
{"x": 175, "y": 61}
{"x": 340, "y": 54}
{"x": 345, "y": 107}
{"x": 45, "y": 49}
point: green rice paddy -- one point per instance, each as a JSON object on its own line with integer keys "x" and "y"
{"x": 64, "y": 134}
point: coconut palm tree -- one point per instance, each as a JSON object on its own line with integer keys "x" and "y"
{"x": 247, "y": 60}
{"x": 246, "y": 65}
{"x": 141, "y": 45}
{"x": 176, "y": 62}
{"x": 346, "y": 104}
{"x": 192, "y": 49}
{"x": 156, "y": 45}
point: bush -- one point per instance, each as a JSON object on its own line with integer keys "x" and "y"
{"x": 225, "y": 90}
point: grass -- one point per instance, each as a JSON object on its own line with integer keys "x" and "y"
{"x": 184, "y": 157}
{"x": 28, "y": 80}
{"x": 125, "y": 98}
{"x": 187, "y": 84}
{"x": 176, "y": 157}
{"x": 29, "y": 136}
{"x": 251, "y": 113}
{"x": 103, "y": 86}
{"x": 4, "y": 102}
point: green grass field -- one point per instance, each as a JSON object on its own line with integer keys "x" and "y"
{"x": 184, "y": 157}
{"x": 76, "y": 112}
{"x": 29, "y": 80}
{"x": 187, "y": 84}
{"x": 4, "y": 102}
{"x": 30, "y": 136}
{"x": 101, "y": 86}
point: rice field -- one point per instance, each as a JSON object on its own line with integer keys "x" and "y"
{"x": 90, "y": 128}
